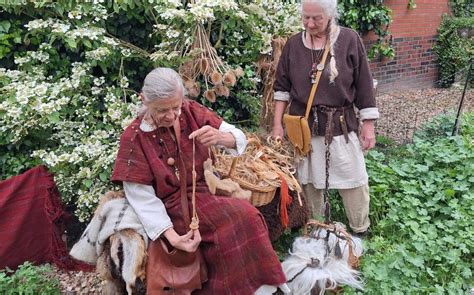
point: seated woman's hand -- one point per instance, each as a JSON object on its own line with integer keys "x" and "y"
{"x": 188, "y": 242}
{"x": 208, "y": 136}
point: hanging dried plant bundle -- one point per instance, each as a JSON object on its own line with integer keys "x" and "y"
{"x": 186, "y": 70}
{"x": 239, "y": 72}
{"x": 204, "y": 66}
{"x": 210, "y": 95}
{"x": 261, "y": 164}
{"x": 222, "y": 90}
{"x": 229, "y": 79}
{"x": 204, "y": 61}
{"x": 194, "y": 89}
{"x": 216, "y": 78}
{"x": 266, "y": 68}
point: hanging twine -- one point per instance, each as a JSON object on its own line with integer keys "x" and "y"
{"x": 194, "y": 220}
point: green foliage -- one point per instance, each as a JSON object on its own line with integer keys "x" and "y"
{"x": 462, "y": 8}
{"x": 364, "y": 16}
{"x": 411, "y": 4}
{"x": 454, "y": 51}
{"x": 28, "y": 279}
{"x": 284, "y": 243}
{"x": 422, "y": 207}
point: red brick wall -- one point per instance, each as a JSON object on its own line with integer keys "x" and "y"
{"x": 413, "y": 33}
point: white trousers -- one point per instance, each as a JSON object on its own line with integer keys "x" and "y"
{"x": 356, "y": 203}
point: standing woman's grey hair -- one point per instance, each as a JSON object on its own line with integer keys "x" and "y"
{"x": 330, "y": 9}
{"x": 162, "y": 83}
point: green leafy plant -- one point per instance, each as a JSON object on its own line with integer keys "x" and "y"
{"x": 28, "y": 279}
{"x": 453, "y": 49}
{"x": 365, "y": 16}
{"x": 421, "y": 214}
{"x": 382, "y": 49}
{"x": 462, "y": 8}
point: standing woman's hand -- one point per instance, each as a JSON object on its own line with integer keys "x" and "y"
{"x": 367, "y": 135}
{"x": 277, "y": 131}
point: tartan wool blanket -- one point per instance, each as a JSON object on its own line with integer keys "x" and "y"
{"x": 32, "y": 221}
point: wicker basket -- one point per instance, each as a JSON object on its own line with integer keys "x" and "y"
{"x": 260, "y": 195}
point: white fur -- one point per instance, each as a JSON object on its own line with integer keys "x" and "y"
{"x": 329, "y": 273}
{"x": 357, "y": 248}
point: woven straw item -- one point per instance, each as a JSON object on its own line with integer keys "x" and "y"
{"x": 259, "y": 169}
{"x": 261, "y": 195}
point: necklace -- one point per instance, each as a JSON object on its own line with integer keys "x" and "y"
{"x": 171, "y": 160}
{"x": 315, "y": 62}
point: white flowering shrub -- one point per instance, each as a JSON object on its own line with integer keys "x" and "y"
{"x": 71, "y": 72}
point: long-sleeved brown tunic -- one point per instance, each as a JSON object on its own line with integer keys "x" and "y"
{"x": 353, "y": 85}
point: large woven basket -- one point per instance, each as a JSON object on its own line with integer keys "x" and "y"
{"x": 260, "y": 195}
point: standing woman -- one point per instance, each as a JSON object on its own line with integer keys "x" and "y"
{"x": 232, "y": 234}
{"x": 346, "y": 82}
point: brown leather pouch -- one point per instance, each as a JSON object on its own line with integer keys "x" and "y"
{"x": 297, "y": 127}
{"x": 172, "y": 271}
{"x": 298, "y": 132}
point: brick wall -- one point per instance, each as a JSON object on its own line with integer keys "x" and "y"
{"x": 413, "y": 33}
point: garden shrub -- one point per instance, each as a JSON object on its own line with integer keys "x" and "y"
{"x": 28, "y": 279}
{"x": 70, "y": 72}
{"x": 462, "y": 8}
{"x": 422, "y": 207}
{"x": 454, "y": 48}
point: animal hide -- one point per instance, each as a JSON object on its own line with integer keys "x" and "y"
{"x": 312, "y": 266}
{"x": 122, "y": 264}
{"x": 116, "y": 242}
{"x": 113, "y": 214}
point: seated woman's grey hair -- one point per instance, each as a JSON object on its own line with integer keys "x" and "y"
{"x": 162, "y": 83}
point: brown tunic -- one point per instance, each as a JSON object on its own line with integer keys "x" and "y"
{"x": 353, "y": 85}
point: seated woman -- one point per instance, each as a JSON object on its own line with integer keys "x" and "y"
{"x": 232, "y": 233}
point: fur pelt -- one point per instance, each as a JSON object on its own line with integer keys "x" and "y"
{"x": 357, "y": 248}
{"x": 113, "y": 214}
{"x": 116, "y": 242}
{"x": 311, "y": 266}
{"x": 123, "y": 263}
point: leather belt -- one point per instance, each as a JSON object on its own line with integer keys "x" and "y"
{"x": 331, "y": 111}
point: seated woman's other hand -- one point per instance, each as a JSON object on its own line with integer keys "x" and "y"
{"x": 188, "y": 242}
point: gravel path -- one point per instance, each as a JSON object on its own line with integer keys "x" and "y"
{"x": 401, "y": 112}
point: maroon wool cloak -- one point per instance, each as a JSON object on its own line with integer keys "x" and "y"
{"x": 235, "y": 241}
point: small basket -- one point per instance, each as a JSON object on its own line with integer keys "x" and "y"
{"x": 260, "y": 195}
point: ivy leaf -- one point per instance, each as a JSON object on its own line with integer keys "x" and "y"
{"x": 54, "y": 117}
{"x": 5, "y": 26}
{"x": 88, "y": 183}
{"x": 104, "y": 177}
{"x": 71, "y": 43}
